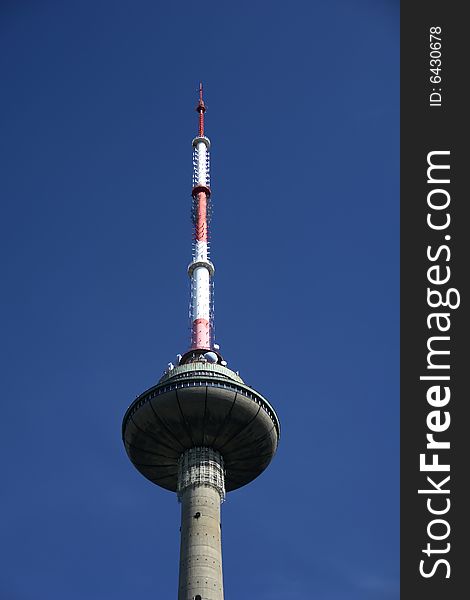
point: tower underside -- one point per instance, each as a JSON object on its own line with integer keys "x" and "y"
{"x": 200, "y": 432}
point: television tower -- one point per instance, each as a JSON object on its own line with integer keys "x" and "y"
{"x": 200, "y": 431}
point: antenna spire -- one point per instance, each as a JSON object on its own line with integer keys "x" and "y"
{"x": 201, "y": 270}
{"x": 201, "y": 109}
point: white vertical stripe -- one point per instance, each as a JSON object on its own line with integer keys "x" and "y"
{"x": 202, "y": 174}
{"x": 200, "y": 251}
{"x": 201, "y": 299}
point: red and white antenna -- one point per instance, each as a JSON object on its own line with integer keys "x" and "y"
{"x": 201, "y": 270}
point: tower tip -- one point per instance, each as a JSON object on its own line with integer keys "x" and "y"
{"x": 201, "y": 109}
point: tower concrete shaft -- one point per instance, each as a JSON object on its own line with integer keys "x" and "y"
{"x": 200, "y": 491}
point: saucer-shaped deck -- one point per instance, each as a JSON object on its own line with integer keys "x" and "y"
{"x": 200, "y": 404}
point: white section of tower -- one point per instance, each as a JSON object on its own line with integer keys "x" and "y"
{"x": 202, "y": 170}
{"x": 201, "y": 251}
{"x": 201, "y": 162}
{"x": 200, "y": 491}
{"x": 201, "y": 269}
{"x": 201, "y": 287}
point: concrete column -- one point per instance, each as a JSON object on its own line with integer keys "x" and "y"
{"x": 200, "y": 490}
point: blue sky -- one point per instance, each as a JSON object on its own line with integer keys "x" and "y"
{"x": 97, "y": 116}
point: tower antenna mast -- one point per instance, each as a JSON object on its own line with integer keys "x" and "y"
{"x": 201, "y": 270}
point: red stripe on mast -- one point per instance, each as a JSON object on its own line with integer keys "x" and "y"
{"x": 201, "y": 218}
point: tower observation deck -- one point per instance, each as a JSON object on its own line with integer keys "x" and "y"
{"x": 200, "y": 431}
